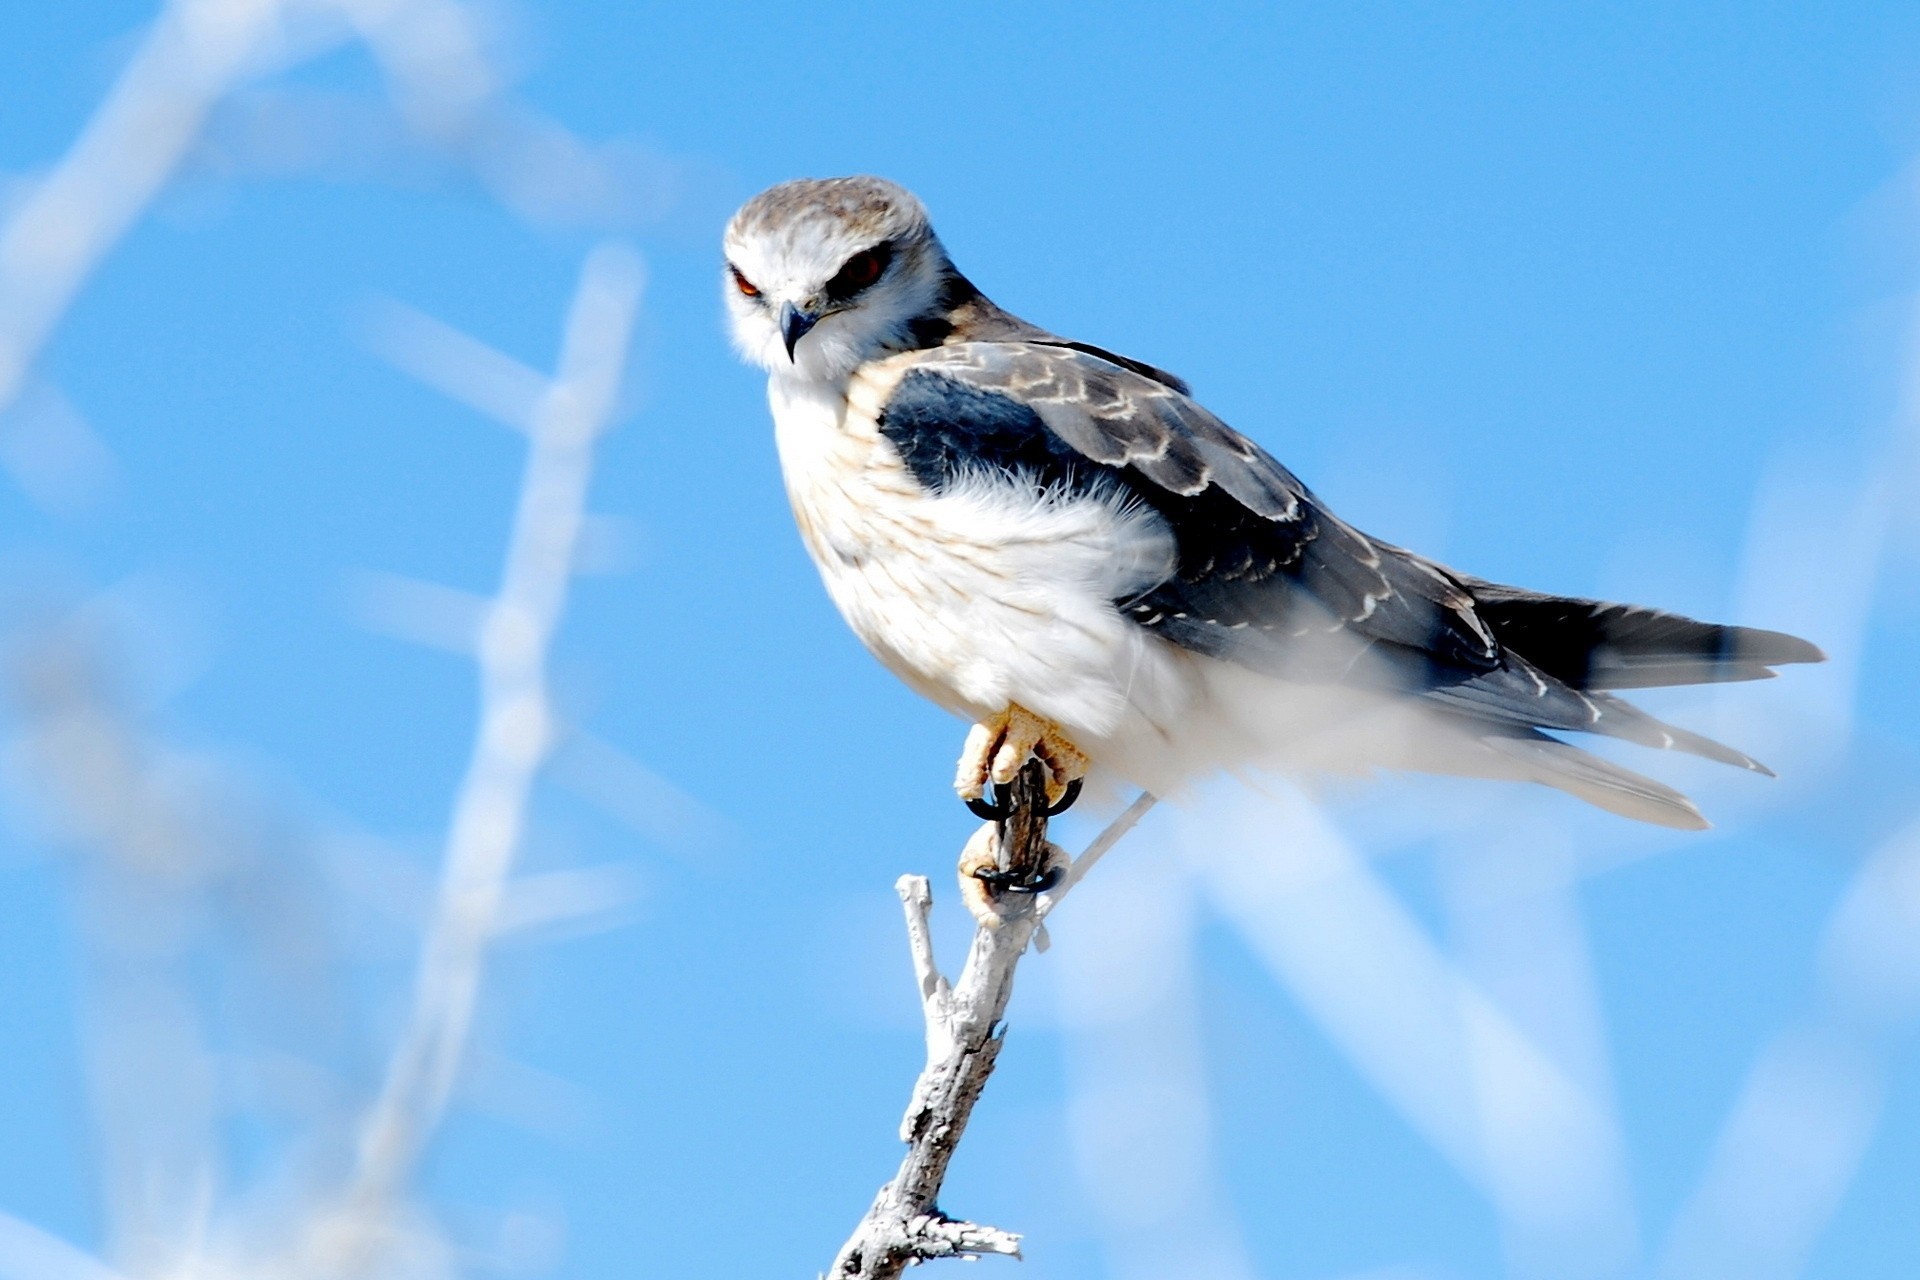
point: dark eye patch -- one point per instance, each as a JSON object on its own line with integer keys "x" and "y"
{"x": 859, "y": 271}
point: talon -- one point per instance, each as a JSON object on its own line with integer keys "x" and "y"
{"x": 1000, "y": 808}
{"x": 1041, "y": 881}
{"x": 994, "y": 810}
{"x": 999, "y": 746}
{"x": 1064, "y": 803}
{"x": 983, "y": 886}
{"x": 1008, "y": 882}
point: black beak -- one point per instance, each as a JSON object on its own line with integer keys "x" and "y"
{"x": 794, "y": 324}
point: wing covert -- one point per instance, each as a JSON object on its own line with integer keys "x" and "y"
{"x": 1261, "y": 563}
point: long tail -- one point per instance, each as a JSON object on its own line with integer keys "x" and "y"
{"x": 1535, "y": 757}
{"x": 1589, "y": 646}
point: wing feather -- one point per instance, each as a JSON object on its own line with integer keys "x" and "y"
{"x": 1262, "y": 565}
{"x": 1257, "y": 549}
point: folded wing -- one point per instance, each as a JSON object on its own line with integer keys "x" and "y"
{"x": 1265, "y": 574}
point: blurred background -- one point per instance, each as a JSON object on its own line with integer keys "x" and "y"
{"x": 447, "y": 832}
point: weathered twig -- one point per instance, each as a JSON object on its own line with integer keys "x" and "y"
{"x": 964, "y": 1034}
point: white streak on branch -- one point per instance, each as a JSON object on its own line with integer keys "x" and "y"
{"x": 1129, "y": 818}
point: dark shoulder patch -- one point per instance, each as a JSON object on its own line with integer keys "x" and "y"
{"x": 944, "y": 428}
{"x": 1261, "y": 567}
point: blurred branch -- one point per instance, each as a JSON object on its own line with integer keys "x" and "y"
{"x": 168, "y": 875}
{"x": 457, "y": 366}
{"x": 29, "y": 1253}
{"x": 1474, "y": 1082}
{"x": 197, "y": 55}
{"x": 186, "y": 883}
{"x": 1808, "y": 1112}
{"x": 905, "y": 1226}
{"x": 150, "y": 858}
{"x": 197, "y": 51}
{"x": 1139, "y": 1121}
{"x": 170, "y": 863}
{"x": 516, "y": 732}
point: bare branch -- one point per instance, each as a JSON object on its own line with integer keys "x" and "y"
{"x": 917, "y": 899}
{"x": 904, "y": 1225}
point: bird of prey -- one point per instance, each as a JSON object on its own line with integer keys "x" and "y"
{"x": 1060, "y": 544}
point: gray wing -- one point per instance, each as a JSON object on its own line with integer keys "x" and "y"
{"x": 1264, "y": 571}
{"x": 1261, "y": 560}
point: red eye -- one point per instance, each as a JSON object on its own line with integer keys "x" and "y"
{"x": 743, "y": 284}
{"x": 859, "y": 271}
{"x": 862, "y": 269}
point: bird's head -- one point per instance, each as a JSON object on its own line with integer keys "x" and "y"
{"x": 824, "y": 274}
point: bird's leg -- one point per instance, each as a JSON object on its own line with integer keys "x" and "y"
{"x": 997, "y": 748}
{"x": 1009, "y": 861}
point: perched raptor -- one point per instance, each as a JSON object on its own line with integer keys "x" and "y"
{"x": 1060, "y": 544}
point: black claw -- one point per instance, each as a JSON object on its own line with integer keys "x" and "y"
{"x": 1011, "y": 882}
{"x": 1044, "y": 881}
{"x": 1066, "y": 800}
{"x": 998, "y": 809}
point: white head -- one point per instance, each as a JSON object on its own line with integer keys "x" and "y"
{"x": 824, "y": 274}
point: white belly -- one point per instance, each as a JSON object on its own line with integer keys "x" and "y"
{"x": 987, "y": 594}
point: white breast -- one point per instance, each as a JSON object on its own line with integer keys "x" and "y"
{"x": 987, "y": 594}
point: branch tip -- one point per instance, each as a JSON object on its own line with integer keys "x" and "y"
{"x": 965, "y": 1031}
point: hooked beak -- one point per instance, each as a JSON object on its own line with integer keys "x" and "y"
{"x": 794, "y": 324}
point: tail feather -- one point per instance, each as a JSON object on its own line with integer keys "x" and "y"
{"x": 1659, "y": 673}
{"x": 1654, "y": 732}
{"x": 1539, "y": 758}
{"x": 1521, "y": 696}
{"x": 1592, "y": 644}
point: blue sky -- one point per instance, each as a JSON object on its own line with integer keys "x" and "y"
{"x": 1549, "y": 292}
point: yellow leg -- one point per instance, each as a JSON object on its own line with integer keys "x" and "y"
{"x": 997, "y": 749}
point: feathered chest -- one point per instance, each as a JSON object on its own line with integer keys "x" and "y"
{"x": 853, "y": 499}
{"x": 950, "y": 586}
{"x": 862, "y": 509}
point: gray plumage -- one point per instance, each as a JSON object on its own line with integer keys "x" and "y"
{"x": 1261, "y": 575}
{"x": 1263, "y": 564}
